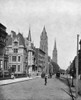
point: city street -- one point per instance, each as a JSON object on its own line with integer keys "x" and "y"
{"x": 40, "y": 49}
{"x": 35, "y": 90}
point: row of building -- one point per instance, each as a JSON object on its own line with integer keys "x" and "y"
{"x": 19, "y": 55}
{"x": 72, "y": 67}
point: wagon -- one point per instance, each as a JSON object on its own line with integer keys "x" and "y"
{"x": 58, "y": 74}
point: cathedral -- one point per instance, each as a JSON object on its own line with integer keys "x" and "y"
{"x": 44, "y": 47}
{"x": 54, "y": 55}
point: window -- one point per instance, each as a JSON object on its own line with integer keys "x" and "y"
{"x": 15, "y": 50}
{"x": 1, "y": 64}
{"x": 15, "y": 43}
{"x": 2, "y": 39}
{"x": 5, "y": 65}
{"x": 19, "y": 58}
{"x": 13, "y": 58}
{"x": 9, "y": 58}
{"x": 18, "y": 68}
{"x": 13, "y": 68}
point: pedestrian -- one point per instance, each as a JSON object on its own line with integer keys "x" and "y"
{"x": 45, "y": 79}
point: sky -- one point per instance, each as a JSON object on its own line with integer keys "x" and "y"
{"x": 61, "y": 18}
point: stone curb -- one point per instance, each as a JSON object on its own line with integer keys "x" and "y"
{"x": 11, "y": 81}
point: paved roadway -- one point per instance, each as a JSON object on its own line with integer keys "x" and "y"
{"x": 35, "y": 90}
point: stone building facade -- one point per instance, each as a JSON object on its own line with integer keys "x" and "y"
{"x": 3, "y": 56}
{"x": 40, "y": 59}
{"x": 16, "y": 51}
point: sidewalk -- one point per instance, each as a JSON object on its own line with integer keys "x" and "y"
{"x": 10, "y": 81}
{"x": 73, "y": 89}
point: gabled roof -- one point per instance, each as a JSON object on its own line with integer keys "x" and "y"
{"x": 9, "y": 40}
{"x": 21, "y": 39}
{"x": 19, "y": 36}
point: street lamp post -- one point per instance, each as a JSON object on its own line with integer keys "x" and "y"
{"x": 72, "y": 78}
{"x": 77, "y": 67}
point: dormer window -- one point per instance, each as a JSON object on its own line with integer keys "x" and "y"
{"x": 15, "y": 50}
{"x": 15, "y": 43}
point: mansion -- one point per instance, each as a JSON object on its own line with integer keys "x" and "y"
{"x": 18, "y": 54}
{"x": 16, "y": 51}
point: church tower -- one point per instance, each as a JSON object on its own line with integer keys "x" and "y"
{"x": 44, "y": 41}
{"x": 54, "y": 56}
{"x": 44, "y": 46}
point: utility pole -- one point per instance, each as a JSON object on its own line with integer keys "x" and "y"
{"x": 77, "y": 67}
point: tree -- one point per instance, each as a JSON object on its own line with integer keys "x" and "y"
{"x": 79, "y": 69}
{"x": 55, "y": 67}
{"x": 50, "y": 69}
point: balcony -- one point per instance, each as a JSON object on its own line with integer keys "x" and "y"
{"x": 3, "y": 35}
{"x": 2, "y": 43}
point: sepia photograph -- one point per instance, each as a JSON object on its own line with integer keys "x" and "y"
{"x": 40, "y": 49}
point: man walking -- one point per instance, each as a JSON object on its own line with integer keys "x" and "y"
{"x": 45, "y": 79}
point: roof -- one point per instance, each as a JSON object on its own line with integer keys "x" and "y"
{"x": 21, "y": 39}
{"x": 9, "y": 40}
{"x": 40, "y": 50}
{"x": 2, "y": 26}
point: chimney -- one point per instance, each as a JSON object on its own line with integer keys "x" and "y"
{"x": 13, "y": 34}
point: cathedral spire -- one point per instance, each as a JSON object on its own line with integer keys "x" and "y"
{"x": 44, "y": 33}
{"x": 54, "y": 56}
{"x": 55, "y": 48}
{"x": 44, "y": 29}
{"x": 29, "y": 35}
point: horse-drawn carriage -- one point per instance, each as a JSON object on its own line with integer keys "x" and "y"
{"x": 58, "y": 74}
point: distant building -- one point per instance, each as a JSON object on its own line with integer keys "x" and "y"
{"x": 49, "y": 59}
{"x": 54, "y": 55}
{"x": 3, "y": 56}
{"x": 40, "y": 59}
{"x": 16, "y": 51}
{"x": 62, "y": 71}
{"x": 31, "y": 53}
{"x": 44, "y": 46}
